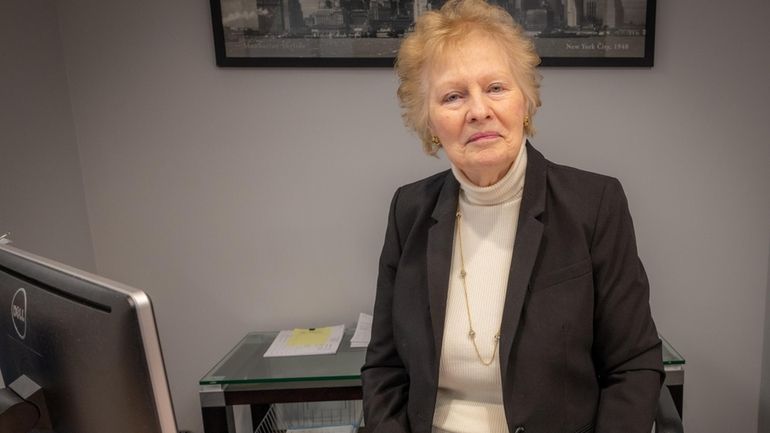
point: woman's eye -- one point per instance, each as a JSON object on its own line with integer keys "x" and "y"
{"x": 496, "y": 88}
{"x": 451, "y": 97}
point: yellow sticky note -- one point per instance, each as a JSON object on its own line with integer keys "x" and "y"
{"x": 309, "y": 337}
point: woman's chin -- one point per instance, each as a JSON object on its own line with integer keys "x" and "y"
{"x": 491, "y": 159}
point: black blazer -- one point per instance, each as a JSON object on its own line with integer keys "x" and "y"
{"x": 579, "y": 351}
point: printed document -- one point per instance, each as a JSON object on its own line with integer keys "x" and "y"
{"x": 306, "y": 341}
{"x": 363, "y": 331}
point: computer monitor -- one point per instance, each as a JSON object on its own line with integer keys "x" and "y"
{"x": 91, "y": 344}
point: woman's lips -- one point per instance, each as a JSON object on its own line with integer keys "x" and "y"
{"x": 482, "y": 136}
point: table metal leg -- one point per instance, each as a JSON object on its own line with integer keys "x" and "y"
{"x": 677, "y": 394}
{"x": 217, "y": 415}
{"x": 216, "y": 419}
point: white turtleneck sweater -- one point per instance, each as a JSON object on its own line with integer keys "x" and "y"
{"x": 470, "y": 394}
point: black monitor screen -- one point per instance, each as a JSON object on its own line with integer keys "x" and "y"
{"x": 90, "y": 343}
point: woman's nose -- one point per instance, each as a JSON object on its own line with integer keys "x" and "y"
{"x": 478, "y": 108}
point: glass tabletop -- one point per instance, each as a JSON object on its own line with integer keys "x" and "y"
{"x": 670, "y": 355}
{"x": 245, "y": 364}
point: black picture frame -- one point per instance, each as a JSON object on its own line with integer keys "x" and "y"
{"x": 350, "y": 33}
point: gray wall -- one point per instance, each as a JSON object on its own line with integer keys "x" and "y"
{"x": 41, "y": 188}
{"x": 255, "y": 199}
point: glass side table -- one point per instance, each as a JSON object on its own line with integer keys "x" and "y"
{"x": 673, "y": 363}
{"x": 244, "y": 383}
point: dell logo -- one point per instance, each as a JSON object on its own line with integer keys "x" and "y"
{"x": 19, "y": 312}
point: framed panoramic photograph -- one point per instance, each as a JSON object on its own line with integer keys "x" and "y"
{"x": 342, "y": 33}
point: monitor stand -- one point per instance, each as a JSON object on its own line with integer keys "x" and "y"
{"x": 22, "y": 407}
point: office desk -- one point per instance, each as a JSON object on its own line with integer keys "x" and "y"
{"x": 245, "y": 380}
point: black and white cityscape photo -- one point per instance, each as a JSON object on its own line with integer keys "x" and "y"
{"x": 374, "y": 28}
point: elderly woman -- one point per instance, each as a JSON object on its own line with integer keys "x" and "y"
{"x": 510, "y": 296}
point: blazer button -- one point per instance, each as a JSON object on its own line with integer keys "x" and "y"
{"x": 519, "y": 429}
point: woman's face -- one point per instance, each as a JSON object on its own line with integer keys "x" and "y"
{"x": 476, "y": 109}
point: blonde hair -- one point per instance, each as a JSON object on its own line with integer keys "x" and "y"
{"x": 437, "y": 31}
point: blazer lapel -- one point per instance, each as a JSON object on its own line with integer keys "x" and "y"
{"x": 525, "y": 249}
{"x": 439, "y": 256}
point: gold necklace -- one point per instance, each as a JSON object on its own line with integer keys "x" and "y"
{"x": 463, "y": 275}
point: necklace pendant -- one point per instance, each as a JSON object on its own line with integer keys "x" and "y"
{"x": 472, "y": 333}
{"x": 497, "y": 337}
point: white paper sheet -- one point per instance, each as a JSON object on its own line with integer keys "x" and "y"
{"x": 305, "y": 341}
{"x": 363, "y": 331}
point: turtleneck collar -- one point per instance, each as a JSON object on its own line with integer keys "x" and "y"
{"x": 507, "y": 188}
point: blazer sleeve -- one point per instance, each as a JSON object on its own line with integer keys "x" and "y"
{"x": 384, "y": 377}
{"x": 627, "y": 349}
